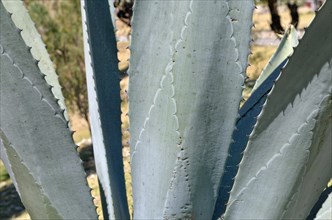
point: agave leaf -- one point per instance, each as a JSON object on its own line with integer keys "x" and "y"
{"x": 112, "y": 12}
{"x": 32, "y": 39}
{"x": 240, "y": 13}
{"x": 249, "y": 112}
{"x": 287, "y": 160}
{"x": 104, "y": 104}
{"x": 326, "y": 211}
{"x": 244, "y": 126}
{"x": 185, "y": 87}
{"x": 5, "y": 160}
{"x": 35, "y": 135}
{"x": 323, "y": 207}
{"x": 284, "y": 50}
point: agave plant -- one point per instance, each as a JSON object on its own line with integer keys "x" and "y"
{"x": 194, "y": 153}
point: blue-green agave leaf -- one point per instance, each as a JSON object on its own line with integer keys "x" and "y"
{"x": 323, "y": 207}
{"x": 104, "y": 104}
{"x": 244, "y": 126}
{"x": 35, "y": 135}
{"x": 284, "y": 50}
{"x": 286, "y": 164}
{"x": 32, "y": 39}
{"x": 5, "y": 160}
{"x": 249, "y": 112}
{"x": 240, "y": 13}
{"x": 184, "y": 91}
{"x": 112, "y": 12}
{"x": 326, "y": 211}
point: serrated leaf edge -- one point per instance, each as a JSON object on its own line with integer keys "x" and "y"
{"x": 53, "y": 85}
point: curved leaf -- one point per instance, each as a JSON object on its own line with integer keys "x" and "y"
{"x": 287, "y": 158}
{"x": 184, "y": 90}
{"x": 284, "y": 50}
{"x": 104, "y": 104}
{"x": 36, "y": 137}
{"x": 244, "y": 126}
{"x": 249, "y": 112}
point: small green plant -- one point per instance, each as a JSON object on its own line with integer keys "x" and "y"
{"x": 194, "y": 154}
